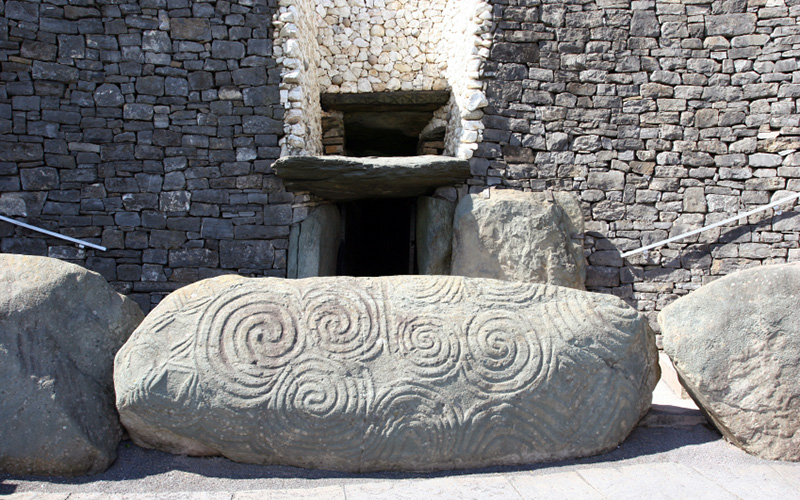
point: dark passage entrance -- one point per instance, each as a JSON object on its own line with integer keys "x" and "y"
{"x": 378, "y": 238}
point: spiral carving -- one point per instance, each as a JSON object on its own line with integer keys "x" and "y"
{"x": 430, "y": 344}
{"x": 344, "y": 320}
{"x": 412, "y": 420}
{"x": 502, "y": 357}
{"x": 246, "y": 336}
{"x": 504, "y": 292}
{"x": 436, "y": 289}
{"x": 317, "y": 400}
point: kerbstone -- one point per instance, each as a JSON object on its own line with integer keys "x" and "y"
{"x": 60, "y": 326}
{"x": 393, "y": 373}
{"x": 736, "y": 345}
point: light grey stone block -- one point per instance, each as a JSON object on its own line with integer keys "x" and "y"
{"x": 393, "y": 373}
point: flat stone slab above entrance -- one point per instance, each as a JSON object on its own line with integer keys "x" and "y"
{"x": 345, "y": 178}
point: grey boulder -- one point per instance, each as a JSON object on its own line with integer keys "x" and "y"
{"x": 512, "y": 235}
{"x": 395, "y": 373}
{"x": 736, "y": 346}
{"x": 60, "y": 326}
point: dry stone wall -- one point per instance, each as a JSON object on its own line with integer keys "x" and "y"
{"x": 150, "y": 126}
{"x": 664, "y": 117}
{"x": 147, "y": 126}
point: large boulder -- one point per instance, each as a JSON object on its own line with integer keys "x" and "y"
{"x": 512, "y": 235}
{"x": 60, "y": 326}
{"x": 736, "y": 346}
{"x": 393, "y": 373}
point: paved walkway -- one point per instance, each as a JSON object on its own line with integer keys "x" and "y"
{"x": 671, "y": 455}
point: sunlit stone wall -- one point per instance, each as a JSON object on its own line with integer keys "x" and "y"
{"x": 352, "y": 46}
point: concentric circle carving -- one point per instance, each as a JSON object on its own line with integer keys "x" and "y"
{"x": 430, "y": 345}
{"x": 344, "y": 320}
{"x": 315, "y": 401}
{"x": 412, "y": 421}
{"x": 504, "y": 354}
{"x": 247, "y": 335}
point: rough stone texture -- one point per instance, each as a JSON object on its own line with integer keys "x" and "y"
{"x": 510, "y": 235}
{"x": 314, "y": 244}
{"x": 736, "y": 346}
{"x": 394, "y": 373}
{"x": 341, "y": 178}
{"x": 60, "y": 326}
{"x": 641, "y": 91}
{"x": 434, "y": 235}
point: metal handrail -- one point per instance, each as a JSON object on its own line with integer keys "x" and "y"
{"x": 78, "y": 242}
{"x": 710, "y": 226}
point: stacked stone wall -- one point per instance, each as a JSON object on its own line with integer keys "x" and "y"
{"x": 663, "y": 116}
{"x": 147, "y": 126}
{"x": 150, "y": 127}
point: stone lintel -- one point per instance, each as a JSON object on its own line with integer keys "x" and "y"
{"x": 343, "y": 178}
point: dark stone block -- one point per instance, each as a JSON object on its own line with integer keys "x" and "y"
{"x": 222, "y": 49}
{"x": 260, "y": 232}
{"x": 9, "y": 184}
{"x": 112, "y": 152}
{"x": 60, "y": 161}
{"x": 644, "y": 23}
{"x": 175, "y": 201}
{"x": 25, "y": 246}
{"x": 38, "y": 51}
{"x": 156, "y": 41}
{"x": 71, "y": 46}
{"x": 250, "y": 76}
{"x": 137, "y": 111}
{"x": 136, "y": 240}
{"x": 167, "y": 239}
{"x": 253, "y": 254}
{"x": 65, "y": 117}
{"x": 255, "y": 124}
{"x": 516, "y": 154}
{"x": 601, "y": 276}
{"x": 127, "y": 219}
{"x": 190, "y": 29}
{"x": 106, "y": 267}
{"x": 216, "y": 229}
{"x": 136, "y": 202}
{"x": 53, "y": 25}
{"x": 522, "y": 53}
{"x": 201, "y": 80}
{"x": 22, "y": 11}
{"x": 54, "y": 71}
{"x": 150, "y": 85}
{"x": 39, "y": 179}
{"x": 261, "y": 96}
{"x": 153, "y": 219}
{"x": 176, "y": 86}
{"x": 22, "y": 151}
{"x": 194, "y": 257}
{"x": 129, "y": 272}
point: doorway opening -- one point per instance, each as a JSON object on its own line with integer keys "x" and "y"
{"x": 378, "y": 237}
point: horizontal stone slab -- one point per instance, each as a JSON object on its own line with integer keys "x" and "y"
{"x": 345, "y": 178}
{"x": 392, "y": 373}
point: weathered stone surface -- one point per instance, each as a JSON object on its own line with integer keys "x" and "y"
{"x": 434, "y": 235}
{"x": 736, "y": 345}
{"x": 343, "y": 178}
{"x": 60, "y": 326}
{"x": 518, "y": 236}
{"x": 393, "y": 373}
{"x": 314, "y": 244}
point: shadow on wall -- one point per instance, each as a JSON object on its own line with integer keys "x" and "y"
{"x": 652, "y": 280}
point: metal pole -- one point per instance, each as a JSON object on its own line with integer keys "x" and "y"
{"x": 78, "y": 242}
{"x": 710, "y": 226}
